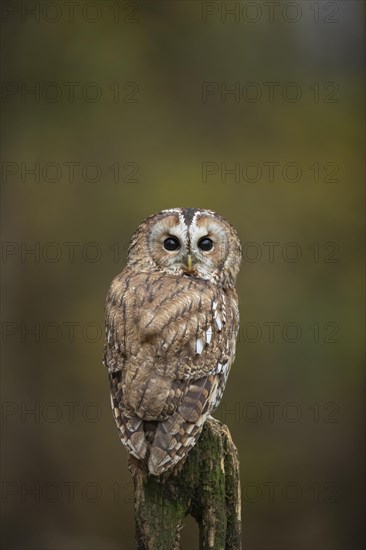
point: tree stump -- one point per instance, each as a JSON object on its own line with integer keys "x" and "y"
{"x": 206, "y": 485}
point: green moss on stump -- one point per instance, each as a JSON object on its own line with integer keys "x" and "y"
{"x": 206, "y": 485}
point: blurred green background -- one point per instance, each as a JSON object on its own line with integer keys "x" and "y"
{"x": 140, "y": 125}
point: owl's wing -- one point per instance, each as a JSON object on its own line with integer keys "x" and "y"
{"x": 173, "y": 341}
{"x": 177, "y": 435}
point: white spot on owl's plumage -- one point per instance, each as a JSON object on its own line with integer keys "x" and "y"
{"x": 218, "y": 320}
{"x": 199, "y": 346}
{"x": 209, "y": 333}
{"x": 220, "y": 368}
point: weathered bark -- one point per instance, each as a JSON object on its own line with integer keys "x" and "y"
{"x": 206, "y": 485}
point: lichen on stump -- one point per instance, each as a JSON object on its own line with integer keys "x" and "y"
{"x": 206, "y": 485}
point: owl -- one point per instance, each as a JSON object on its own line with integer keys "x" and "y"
{"x": 172, "y": 320}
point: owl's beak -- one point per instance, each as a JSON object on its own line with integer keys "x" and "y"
{"x": 188, "y": 269}
{"x": 189, "y": 262}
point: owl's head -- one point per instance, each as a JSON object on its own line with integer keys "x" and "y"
{"x": 190, "y": 242}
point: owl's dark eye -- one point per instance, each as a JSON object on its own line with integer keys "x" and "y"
{"x": 205, "y": 244}
{"x": 171, "y": 243}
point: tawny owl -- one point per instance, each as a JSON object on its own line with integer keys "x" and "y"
{"x": 171, "y": 325}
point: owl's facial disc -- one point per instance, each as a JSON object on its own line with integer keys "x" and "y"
{"x": 195, "y": 243}
{"x": 190, "y": 242}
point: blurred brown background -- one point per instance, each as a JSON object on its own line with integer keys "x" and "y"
{"x": 115, "y": 110}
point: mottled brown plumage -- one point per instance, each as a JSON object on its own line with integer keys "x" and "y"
{"x": 171, "y": 327}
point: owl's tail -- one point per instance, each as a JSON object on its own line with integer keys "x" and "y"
{"x": 176, "y": 436}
